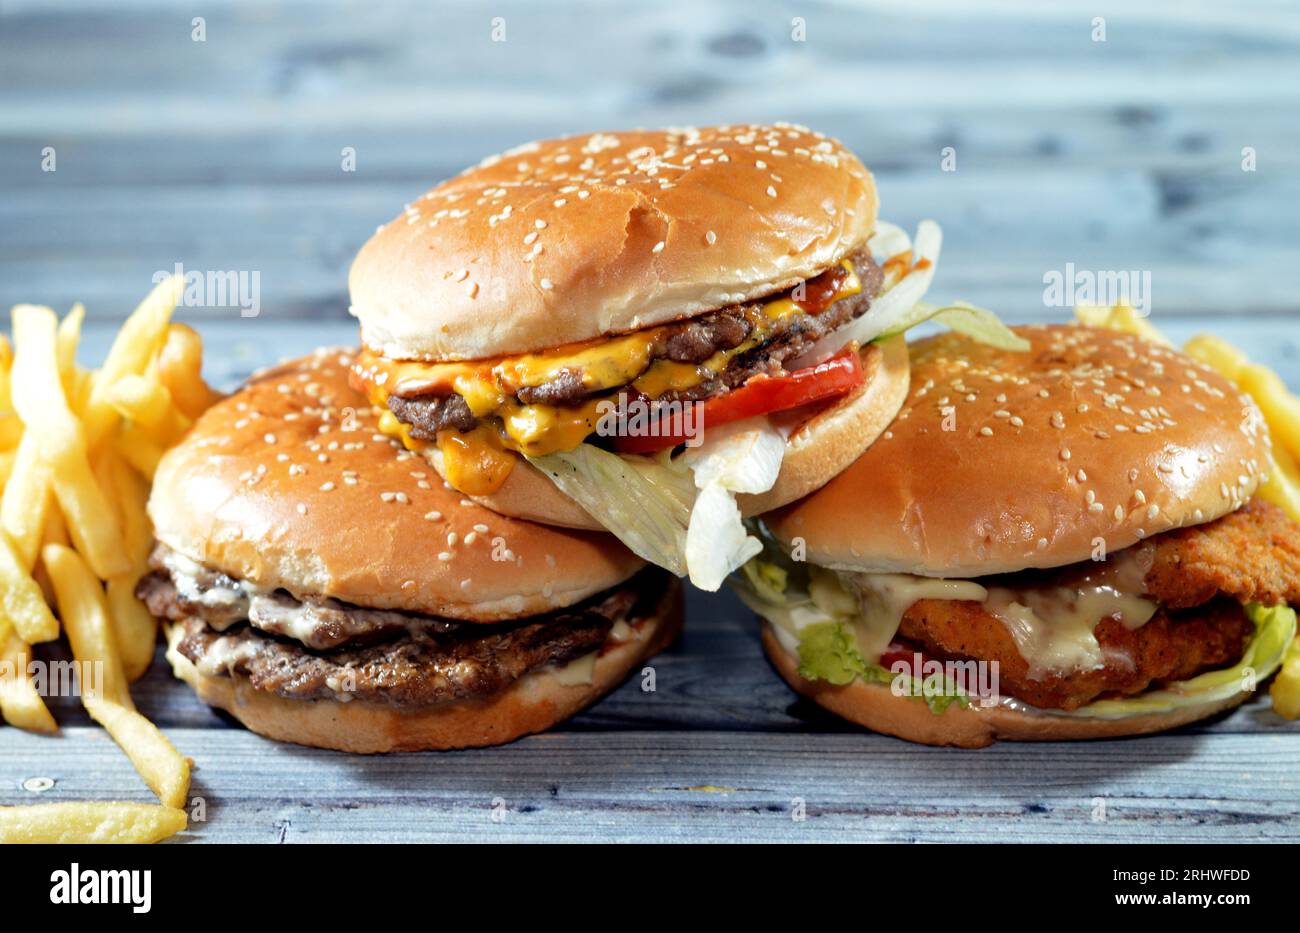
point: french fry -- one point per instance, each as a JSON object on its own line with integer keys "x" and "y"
{"x": 39, "y": 399}
{"x": 135, "y": 445}
{"x": 134, "y": 627}
{"x": 136, "y": 344}
{"x": 106, "y": 822}
{"x": 1283, "y": 485}
{"x": 6, "y": 361}
{"x": 11, "y": 431}
{"x": 21, "y": 600}
{"x": 21, "y": 705}
{"x": 84, "y": 611}
{"x": 150, "y": 405}
{"x": 180, "y": 369}
{"x": 1122, "y": 318}
{"x": 26, "y": 497}
{"x": 69, "y": 335}
{"x": 1219, "y": 355}
{"x": 1281, "y": 409}
{"x": 1286, "y": 686}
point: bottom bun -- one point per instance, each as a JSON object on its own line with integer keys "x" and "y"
{"x": 534, "y": 703}
{"x": 817, "y": 451}
{"x": 876, "y": 707}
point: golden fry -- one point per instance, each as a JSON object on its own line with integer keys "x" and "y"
{"x": 25, "y": 500}
{"x": 21, "y": 601}
{"x": 134, "y": 627}
{"x": 38, "y": 396}
{"x": 1281, "y": 409}
{"x": 21, "y": 705}
{"x": 107, "y": 822}
{"x": 1122, "y": 318}
{"x": 84, "y": 610}
{"x": 180, "y": 369}
{"x": 140, "y": 338}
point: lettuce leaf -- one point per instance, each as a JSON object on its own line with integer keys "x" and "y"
{"x": 1275, "y": 627}
{"x": 647, "y": 503}
{"x": 681, "y": 515}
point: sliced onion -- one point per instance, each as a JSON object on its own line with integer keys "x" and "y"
{"x": 891, "y": 308}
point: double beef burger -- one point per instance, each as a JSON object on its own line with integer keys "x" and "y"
{"x": 1060, "y": 543}
{"x": 652, "y": 332}
{"x": 325, "y": 587}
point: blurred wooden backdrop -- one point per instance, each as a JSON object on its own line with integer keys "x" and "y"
{"x": 225, "y": 154}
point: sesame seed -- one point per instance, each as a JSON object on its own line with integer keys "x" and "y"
{"x": 452, "y": 538}
{"x": 302, "y": 509}
{"x": 710, "y": 237}
{"x": 444, "y": 556}
{"x": 1065, "y": 454}
{"x": 433, "y": 516}
{"x": 658, "y": 247}
{"x": 546, "y": 284}
{"x": 326, "y": 487}
{"x": 771, "y": 192}
{"x": 986, "y": 431}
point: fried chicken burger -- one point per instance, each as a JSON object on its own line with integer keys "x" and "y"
{"x": 322, "y": 585}
{"x": 1059, "y": 543}
{"x": 650, "y": 332}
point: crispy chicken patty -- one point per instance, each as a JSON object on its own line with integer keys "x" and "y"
{"x": 1200, "y": 576}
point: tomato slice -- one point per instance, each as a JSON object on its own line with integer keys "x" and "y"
{"x": 759, "y": 396}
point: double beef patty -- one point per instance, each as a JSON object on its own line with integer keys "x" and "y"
{"x": 692, "y": 341}
{"x": 425, "y": 661}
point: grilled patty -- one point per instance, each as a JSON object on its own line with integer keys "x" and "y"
{"x": 691, "y": 341}
{"x": 421, "y": 662}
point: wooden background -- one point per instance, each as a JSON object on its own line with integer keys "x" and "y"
{"x": 226, "y": 155}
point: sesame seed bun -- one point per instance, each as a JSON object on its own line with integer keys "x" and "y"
{"x": 533, "y": 703}
{"x": 817, "y": 449}
{"x": 876, "y": 707}
{"x": 999, "y": 461}
{"x": 288, "y": 484}
{"x": 572, "y": 239}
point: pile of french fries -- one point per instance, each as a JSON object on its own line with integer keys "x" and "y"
{"x": 78, "y": 450}
{"x": 1281, "y": 410}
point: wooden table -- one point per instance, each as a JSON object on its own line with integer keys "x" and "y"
{"x": 226, "y": 155}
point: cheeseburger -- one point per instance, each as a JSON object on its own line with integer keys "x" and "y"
{"x": 325, "y": 588}
{"x": 652, "y": 332}
{"x": 1056, "y": 544}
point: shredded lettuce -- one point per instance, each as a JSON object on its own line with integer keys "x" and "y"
{"x": 645, "y": 502}
{"x": 681, "y": 515}
{"x": 820, "y": 631}
{"x": 1275, "y": 627}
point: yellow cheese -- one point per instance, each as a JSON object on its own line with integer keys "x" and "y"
{"x": 480, "y": 458}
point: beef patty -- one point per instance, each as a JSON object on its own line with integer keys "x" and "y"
{"x": 691, "y": 341}
{"x": 424, "y": 661}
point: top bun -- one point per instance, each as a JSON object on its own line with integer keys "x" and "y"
{"x": 288, "y": 484}
{"x": 572, "y": 239}
{"x": 1003, "y": 461}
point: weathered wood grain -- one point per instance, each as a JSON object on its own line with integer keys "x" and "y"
{"x": 709, "y": 786}
{"x": 1124, "y": 154}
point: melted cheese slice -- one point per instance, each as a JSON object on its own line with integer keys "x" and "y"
{"x": 1053, "y": 627}
{"x": 478, "y": 462}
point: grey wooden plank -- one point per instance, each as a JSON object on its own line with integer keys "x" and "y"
{"x": 225, "y": 154}
{"x": 706, "y": 786}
